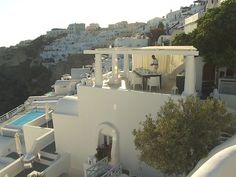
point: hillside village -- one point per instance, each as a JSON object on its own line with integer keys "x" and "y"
{"x": 141, "y": 100}
{"x": 78, "y": 37}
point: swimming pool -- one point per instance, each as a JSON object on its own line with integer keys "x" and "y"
{"x": 34, "y": 114}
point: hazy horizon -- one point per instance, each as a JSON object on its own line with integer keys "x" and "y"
{"x": 28, "y": 19}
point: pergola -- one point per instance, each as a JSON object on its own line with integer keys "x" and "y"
{"x": 189, "y": 53}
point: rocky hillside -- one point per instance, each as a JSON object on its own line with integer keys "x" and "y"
{"x": 22, "y": 74}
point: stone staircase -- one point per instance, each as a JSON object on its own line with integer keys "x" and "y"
{"x": 47, "y": 158}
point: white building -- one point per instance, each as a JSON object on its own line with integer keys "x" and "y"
{"x": 67, "y": 84}
{"x": 115, "y": 113}
{"x": 56, "y": 32}
{"x": 122, "y": 24}
{"x": 93, "y": 27}
{"x": 76, "y": 28}
{"x": 131, "y": 42}
{"x": 213, "y": 3}
{"x": 190, "y": 23}
{"x": 176, "y": 20}
{"x": 164, "y": 39}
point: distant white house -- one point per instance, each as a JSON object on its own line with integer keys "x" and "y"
{"x": 163, "y": 39}
{"x": 122, "y": 24}
{"x": 131, "y": 42}
{"x": 56, "y": 32}
{"x": 190, "y": 23}
{"x": 93, "y": 27}
{"x": 76, "y": 28}
{"x": 213, "y": 3}
{"x": 176, "y": 19}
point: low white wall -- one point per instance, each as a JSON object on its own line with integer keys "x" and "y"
{"x": 42, "y": 98}
{"x": 230, "y": 100}
{"x": 229, "y": 143}
{"x": 65, "y": 88}
{"x": 59, "y": 167}
{"x": 31, "y": 133}
{"x": 13, "y": 169}
{"x": 78, "y": 136}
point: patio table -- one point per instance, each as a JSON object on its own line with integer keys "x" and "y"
{"x": 147, "y": 74}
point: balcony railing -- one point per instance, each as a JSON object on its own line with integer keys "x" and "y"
{"x": 11, "y": 113}
{"x": 99, "y": 168}
{"x": 114, "y": 171}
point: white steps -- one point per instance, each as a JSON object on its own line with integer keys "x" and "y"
{"x": 49, "y": 155}
{"x": 47, "y": 158}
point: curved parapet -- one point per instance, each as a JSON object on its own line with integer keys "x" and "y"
{"x": 67, "y": 105}
{"x": 221, "y": 164}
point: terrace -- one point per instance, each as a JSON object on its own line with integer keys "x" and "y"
{"x": 172, "y": 61}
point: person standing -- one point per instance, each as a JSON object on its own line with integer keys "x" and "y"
{"x": 154, "y": 63}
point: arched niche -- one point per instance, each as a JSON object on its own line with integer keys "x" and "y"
{"x": 108, "y": 130}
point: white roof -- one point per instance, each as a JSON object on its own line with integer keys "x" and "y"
{"x": 158, "y": 50}
{"x": 63, "y": 82}
{"x": 45, "y": 101}
{"x": 67, "y": 105}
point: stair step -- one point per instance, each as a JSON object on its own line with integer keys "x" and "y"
{"x": 45, "y": 162}
{"x": 46, "y": 158}
{"x": 49, "y": 155}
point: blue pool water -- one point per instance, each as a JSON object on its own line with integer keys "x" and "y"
{"x": 34, "y": 114}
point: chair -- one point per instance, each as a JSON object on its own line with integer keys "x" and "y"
{"x": 129, "y": 77}
{"x": 153, "y": 82}
{"x": 135, "y": 80}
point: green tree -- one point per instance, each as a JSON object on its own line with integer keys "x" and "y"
{"x": 183, "y": 39}
{"x": 161, "y": 25}
{"x": 155, "y": 34}
{"x": 182, "y": 134}
{"x": 214, "y": 36}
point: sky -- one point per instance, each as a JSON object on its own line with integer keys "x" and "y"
{"x": 28, "y": 19}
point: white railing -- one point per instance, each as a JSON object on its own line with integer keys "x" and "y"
{"x": 98, "y": 169}
{"x": 114, "y": 171}
{"x": 12, "y": 169}
{"x": 107, "y": 75}
{"x": 42, "y": 98}
{"x": 11, "y": 113}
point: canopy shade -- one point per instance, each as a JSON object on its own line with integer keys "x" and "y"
{"x": 166, "y": 64}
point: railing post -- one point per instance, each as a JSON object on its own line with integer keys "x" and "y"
{"x": 7, "y": 116}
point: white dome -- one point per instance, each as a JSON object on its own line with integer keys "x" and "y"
{"x": 68, "y": 105}
{"x": 221, "y": 164}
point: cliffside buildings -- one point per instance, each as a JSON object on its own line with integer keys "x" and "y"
{"x": 78, "y": 38}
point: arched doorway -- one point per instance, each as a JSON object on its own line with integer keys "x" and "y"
{"x": 208, "y": 79}
{"x": 108, "y": 142}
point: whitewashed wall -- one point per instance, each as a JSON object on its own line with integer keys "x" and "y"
{"x": 31, "y": 133}
{"x": 78, "y": 135}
